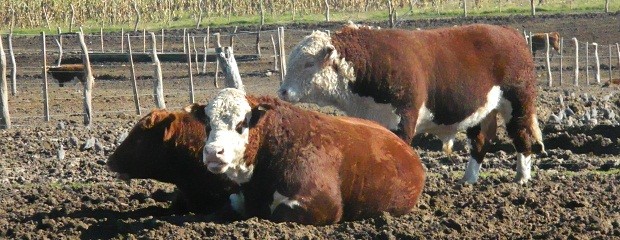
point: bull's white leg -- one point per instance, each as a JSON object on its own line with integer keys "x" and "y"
{"x": 472, "y": 172}
{"x": 524, "y": 167}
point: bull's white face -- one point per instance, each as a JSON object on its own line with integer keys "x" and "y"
{"x": 311, "y": 75}
{"x": 228, "y": 114}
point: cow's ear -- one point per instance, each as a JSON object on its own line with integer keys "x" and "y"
{"x": 328, "y": 55}
{"x": 154, "y": 117}
{"x": 257, "y": 113}
{"x": 197, "y": 111}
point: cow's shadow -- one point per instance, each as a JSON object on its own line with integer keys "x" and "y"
{"x": 112, "y": 223}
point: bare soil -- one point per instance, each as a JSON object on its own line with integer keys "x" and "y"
{"x": 574, "y": 192}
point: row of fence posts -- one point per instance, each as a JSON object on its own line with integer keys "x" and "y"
{"x": 224, "y": 56}
{"x": 528, "y": 38}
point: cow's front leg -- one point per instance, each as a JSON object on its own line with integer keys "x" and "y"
{"x": 479, "y": 142}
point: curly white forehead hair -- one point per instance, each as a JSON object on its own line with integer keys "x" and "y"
{"x": 228, "y": 105}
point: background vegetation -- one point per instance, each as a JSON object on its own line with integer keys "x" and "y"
{"x": 37, "y": 15}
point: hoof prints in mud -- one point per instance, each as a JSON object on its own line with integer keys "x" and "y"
{"x": 597, "y": 140}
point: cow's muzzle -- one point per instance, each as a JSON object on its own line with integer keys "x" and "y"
{"x": 213, "y": 158}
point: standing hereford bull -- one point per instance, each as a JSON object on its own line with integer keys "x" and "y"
{"x": 308, "y": 167}
{"x": 167, "y": 146}
{"x": 438, "y": 81}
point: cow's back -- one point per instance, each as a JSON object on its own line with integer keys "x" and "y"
{"x": 377, "y": 171}
{"x": 380, "y": 172}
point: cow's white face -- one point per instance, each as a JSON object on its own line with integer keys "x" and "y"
{"x": 228, "y": 114}
{"x": 315, "y": 72}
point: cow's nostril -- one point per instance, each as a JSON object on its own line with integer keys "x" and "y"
{"x": 283, "y": 92}
{"x": 220, "y": 152}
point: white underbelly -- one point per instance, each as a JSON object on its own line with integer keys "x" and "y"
{"x": 494, "y": 101}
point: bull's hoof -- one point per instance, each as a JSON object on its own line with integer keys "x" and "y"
{"x": 521, "y": 180}
{"x": 466, "y": 181}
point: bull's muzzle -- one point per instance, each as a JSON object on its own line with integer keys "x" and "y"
{"x": 287, "y": 95}
{"x": 213, "y": 158}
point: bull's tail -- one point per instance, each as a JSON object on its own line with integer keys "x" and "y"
{"x": 538, "y": 146}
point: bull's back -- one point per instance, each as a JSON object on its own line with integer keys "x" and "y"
{"x": 461, "y": 66}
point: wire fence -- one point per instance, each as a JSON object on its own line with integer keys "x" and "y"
{"x": 113, "y": 89}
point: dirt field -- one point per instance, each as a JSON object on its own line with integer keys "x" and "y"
{"x": 574, "y": 192}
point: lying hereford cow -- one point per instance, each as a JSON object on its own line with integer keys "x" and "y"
{"x": 539, "y": 39}
{"x": 67, "y": 69}
{"x": 440, "y": 81}
{"x": 167, "y": 146}
{"x": 308, "y": 167}
{"x": 66, "y": 72}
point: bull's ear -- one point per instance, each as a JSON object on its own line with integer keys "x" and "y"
{"x": 154, "y": 117}
{"x": 257, "y": 113}
{"x": 197, "y": 111}
{"x": 328, "y": 55}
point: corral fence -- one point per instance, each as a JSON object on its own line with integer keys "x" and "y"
{"x": 126, "y": 67}
{"x": 126, "y": 70}
{"x": 577, "y": 61}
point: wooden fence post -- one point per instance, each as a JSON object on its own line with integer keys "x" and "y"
{"x": 5, "y": 116}
{"x": 618, "y": 49}
{"x": 88, "y": 86}
{"x": 135, "y": 8}
{"x": 59, "y": 44}
{"x": 276, "y": 66}
{"x": 326, "y": 11}
{"x": 158, "y": 86}
{"x": 232, "y": 36}
{"x": 143, "y": 40}
{"x": 184, "y": 40}
{"x": 531, "y": 45}
{"x": 533, "y": 7}
{"x": 195, "y": 54}
{"x": 561, "y": 61}
{"x": 229, "y": 67}
{"x": 258, "y": 41}
{"x": 606, "y": 6}
{"x": 122, "y": 40}
{"x": 587, "y": 64}
{"x": 282, "y": 52}
{"x": 101, "y": 38}
{"x": 134, "y": 85}
{"x": 527, "y": 40}
{"x": 548, "y": 61}
{"x": 162, "y": 41}
{"x": 610, "y": 64}
{"x": 391, "y": 12}
{"x": 189, "y": 71}
{"x": 262, "y": 13}
{"x": 598, "y": 64}
{"x": 217, "y": 63}
{"x": 46, "y": 105}
{"x": 464, "y": 8}
{"x": 13, "y": 66}
{"x": 576, "y": 80}
{"x": 72, "y": 18}
{"x": 205, "y": 43}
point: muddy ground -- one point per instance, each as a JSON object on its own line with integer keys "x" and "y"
{"x": 574, "y": 192}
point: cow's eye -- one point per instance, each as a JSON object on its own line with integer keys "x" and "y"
{"x": 308, "y": 65}
{"x": 240, "y": 126}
